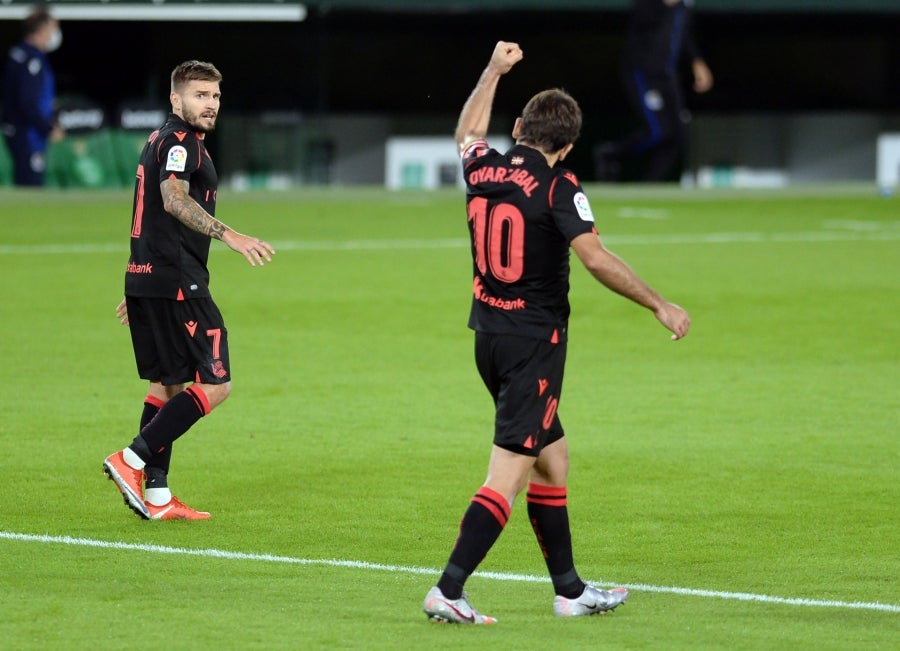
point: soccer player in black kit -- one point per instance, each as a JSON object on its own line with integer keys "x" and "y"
{"x": 524, "y": 214}
{"x": 658, "y": 42}
{"x": 177, "y": 332}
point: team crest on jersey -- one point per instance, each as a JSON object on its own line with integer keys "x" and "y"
{"x": 583, "y": 207}
{"x": 177, "y": 159}
{"x": 218, "y": 369}
{"x": 517, "y": 160}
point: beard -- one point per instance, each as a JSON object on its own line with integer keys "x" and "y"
{"x": 201, "y": 121}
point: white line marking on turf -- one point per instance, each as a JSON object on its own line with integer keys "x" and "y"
{"x": 498, "y": 576}
{"x": 843, "y": 235}
{"x": 627, "y": 212}
{"x": 860, "y": 225}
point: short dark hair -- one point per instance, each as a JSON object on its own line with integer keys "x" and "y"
{"x": 550, "y": 120}
{"x": 194, "y": 71}
{"x": 36, "y": 20}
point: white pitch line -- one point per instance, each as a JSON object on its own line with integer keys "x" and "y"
{"x": 458, "y": 243}
{"x": 498, "y": 576}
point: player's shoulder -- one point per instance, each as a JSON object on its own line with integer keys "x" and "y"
{"x": 566, "y": 181}
{"x": 174, "y": 132}
{"x": 172, "y": 135}
{"x": 168, "y": 147}
{"x": 568, "y": 194}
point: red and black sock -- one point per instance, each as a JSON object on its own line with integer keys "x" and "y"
{"x": 549, "y": 515}
{"x": 481, "y": 525}
{"x": 174, "y": 419}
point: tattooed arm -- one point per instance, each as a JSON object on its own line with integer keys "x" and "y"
{"x": 182, "y": 207}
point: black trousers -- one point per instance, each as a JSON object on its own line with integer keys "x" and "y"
{"x": 658, "y": 102}
{"x": 29, "y": 158}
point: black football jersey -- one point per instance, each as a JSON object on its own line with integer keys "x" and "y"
{"x": 168, "y": 259}
{"x": 522, "y": 216}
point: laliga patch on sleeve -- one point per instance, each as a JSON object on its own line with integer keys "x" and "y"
{"x": 583, "y": 207}
{"x": 177, "y": 159}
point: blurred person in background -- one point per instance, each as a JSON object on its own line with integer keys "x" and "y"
{"x": 658, "y": 44}
{"x": 29, "y": 98}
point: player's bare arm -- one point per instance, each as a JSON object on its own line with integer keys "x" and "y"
{"x": 476, "y": 112}
{"x": 178, "y": 203}
{"x": 617, "y": 276}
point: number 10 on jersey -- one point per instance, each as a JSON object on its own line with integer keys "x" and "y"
{"x": 499, "y": 236}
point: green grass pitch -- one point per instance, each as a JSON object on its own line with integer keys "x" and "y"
{"x": 744, "y": 482}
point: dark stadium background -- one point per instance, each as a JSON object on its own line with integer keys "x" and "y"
{"x": 424, "y": 62}
{"x": 418, "y": 63}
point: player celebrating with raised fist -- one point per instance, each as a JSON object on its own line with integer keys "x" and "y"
{"x": 524, "y": 215}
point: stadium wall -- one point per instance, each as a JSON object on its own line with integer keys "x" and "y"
{"x": 353, "y": 74}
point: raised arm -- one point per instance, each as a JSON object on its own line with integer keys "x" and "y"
{"x": 612, "y": 271}
{"x": 178, "y": 203}
{"x": 476, "y": 112}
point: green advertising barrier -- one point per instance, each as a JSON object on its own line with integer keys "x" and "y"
{"x": 83, "y": 160}
{"x": 84, "y": 157}
{"x": 127, "y": 146}
{"x": 6, "y": 166}
{"x": 135, "y": 121}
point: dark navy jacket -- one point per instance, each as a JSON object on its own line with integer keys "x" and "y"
{"x": 659, "y": 37}
{"x": 29, "y": 93}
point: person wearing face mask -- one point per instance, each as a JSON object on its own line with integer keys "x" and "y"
{"x": 29, "y": 98}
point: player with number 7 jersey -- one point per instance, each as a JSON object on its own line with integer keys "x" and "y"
{"x": 177, "y": 332}
{"x": 168, "y": 258}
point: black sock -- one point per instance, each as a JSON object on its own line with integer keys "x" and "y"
{"x": 151, "y": 408}
{"x": 155, "y": 477}
{"x": 159, "y": 461}
{"x": 157, "y": 467}
{"x": 174, "y": 419}
{"x": 481, "y": 525}
{"x": 139, "y": 447}
{"x": 549, "y": 515}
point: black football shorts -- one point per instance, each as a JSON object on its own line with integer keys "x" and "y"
{"x": 525, "y": 378}
{"x": 179, "y": 341}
